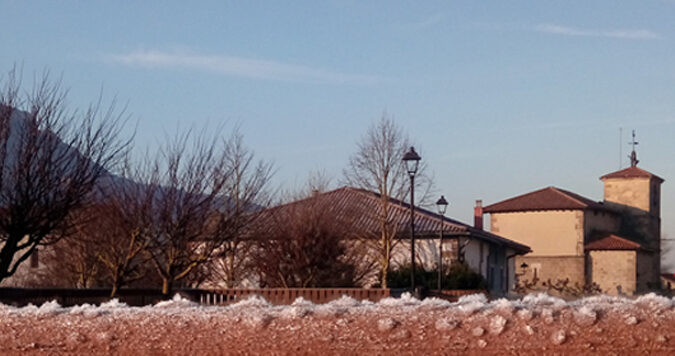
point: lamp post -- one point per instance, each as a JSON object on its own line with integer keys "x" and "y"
{"x": 442, "y": 205}
{"x": 412, "y": 160}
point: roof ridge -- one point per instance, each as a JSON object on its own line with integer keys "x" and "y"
{"x": 566, "y": 195}
{"x": 519, "y": 196}
{"x": 624, "y": 173}
{"x": 601, "y": 242}
{"x": 574, "y": 196}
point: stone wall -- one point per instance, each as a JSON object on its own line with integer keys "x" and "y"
{"x": 647, "y": 276}
{"x": 630, "y": 192}
{"x": 600, "y": 221}
{"x": 614, "y": 271}
{"x": 553, "y": 268}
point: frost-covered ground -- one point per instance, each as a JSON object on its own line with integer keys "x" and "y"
{"x": 535, "y": 324}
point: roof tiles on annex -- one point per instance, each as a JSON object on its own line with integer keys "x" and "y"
{"x": 365, "y": 205}
{"x": 632, "y": 172}
{"x": 612, "y": 242}
{"x": 550, "y": 198}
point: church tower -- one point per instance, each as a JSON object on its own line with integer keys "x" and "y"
{"x": 636, "y": 194}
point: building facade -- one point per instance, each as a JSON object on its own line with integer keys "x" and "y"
{"x": 613, "y": 244}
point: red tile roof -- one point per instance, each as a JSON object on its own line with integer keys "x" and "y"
{"x": 632, "y": 172}
{"x": 612, "y": 242}
{"x": 366, "y": 205}
{"x": 550, "y": 198}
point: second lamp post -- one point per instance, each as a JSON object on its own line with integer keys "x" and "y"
{"x": 412, "y": 160}
{"x": 442, "y": 205}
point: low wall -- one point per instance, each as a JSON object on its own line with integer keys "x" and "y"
{"x": 74, "y": 296}
{"x": 141, "y": 297}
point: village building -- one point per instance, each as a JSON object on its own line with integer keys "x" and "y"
{"x": 614, "y": 244}
{"x": 484, "y": 252}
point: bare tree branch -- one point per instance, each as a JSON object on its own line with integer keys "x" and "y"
{"x": 51, "y": 160}
{"x": 377, "y": 166}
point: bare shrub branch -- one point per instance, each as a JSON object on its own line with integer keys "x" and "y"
{"x": 305, "y": 243}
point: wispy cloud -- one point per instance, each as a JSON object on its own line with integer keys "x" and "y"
{"x": 430, "y": 21}
{"x": 421, "y": 24}
{"x": 239, "y": 67}
{"x": 624, "y": 34}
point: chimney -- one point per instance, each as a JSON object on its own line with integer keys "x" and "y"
{"x": 478, "y": 215}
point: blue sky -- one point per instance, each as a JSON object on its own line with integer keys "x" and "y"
{"x": 500, "y": 97}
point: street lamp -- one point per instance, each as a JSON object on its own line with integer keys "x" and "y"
{"x": 412, "y": 160}
{"x": 442, "y": 205}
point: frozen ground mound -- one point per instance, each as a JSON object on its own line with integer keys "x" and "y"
{"x": 467, "y": 305}
{"x": 473, "y": 324}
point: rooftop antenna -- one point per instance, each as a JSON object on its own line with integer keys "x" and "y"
{"x": 633, "y": 156}
{"x": 620, "y": 147}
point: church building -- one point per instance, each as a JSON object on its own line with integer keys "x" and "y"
{"x": 614, "y": 244}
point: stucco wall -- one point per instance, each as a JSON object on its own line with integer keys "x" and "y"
{"x": 476, "y": 254}
{"x": 426, "y": 252}
{"x": 632, "y": 192}
{"x": 511, "y": 266}
{"x": 548, "y": 233}
{"x": 613, "y": 271}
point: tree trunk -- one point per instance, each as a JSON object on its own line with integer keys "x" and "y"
{"x": 113, "y": 293}
{"x": 166, "y": 287}
{"x": 7, "y": 255}
{"x": 384, "y": 277}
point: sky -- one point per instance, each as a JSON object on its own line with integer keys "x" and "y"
{"x": 500, "y": 98}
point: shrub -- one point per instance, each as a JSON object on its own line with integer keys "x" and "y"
{"x": 456, "y": 276}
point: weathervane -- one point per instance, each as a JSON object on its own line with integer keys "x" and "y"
{"x": 633, "y": 156}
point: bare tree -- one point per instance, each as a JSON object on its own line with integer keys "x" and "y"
{"x": 191, "y": 217}
{"x": 186, "y": 183}
{"x": 118, "y": 230}
{"x": 246, "y": 194}
{"x": 377, "y": 166}
{"x": 50, "y": 161}
{"x": 304, "y": 244}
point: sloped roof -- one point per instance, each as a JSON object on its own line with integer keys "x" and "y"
{"x": 550, "y": 198}
{"x": 365, "y": 206}
{"x": 632, "y": 172}
{"x": 612, "y": 242}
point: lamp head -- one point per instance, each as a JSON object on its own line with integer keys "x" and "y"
{"x": 412, "y": 160}
{"x": 442, "y": 205}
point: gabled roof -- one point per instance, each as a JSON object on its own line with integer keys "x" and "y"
{"x": 632, "y": 172}
{"x": 550, "y": 198}
{"x": 365, "y": 205}
{"x": 612, "y": 242}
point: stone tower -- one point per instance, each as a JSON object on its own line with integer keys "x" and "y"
{"x": 636, "y": 195}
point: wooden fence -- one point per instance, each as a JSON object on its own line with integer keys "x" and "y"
{"x": 287, "y": 296}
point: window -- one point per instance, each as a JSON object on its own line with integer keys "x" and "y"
{"x": 536, "y": 270}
